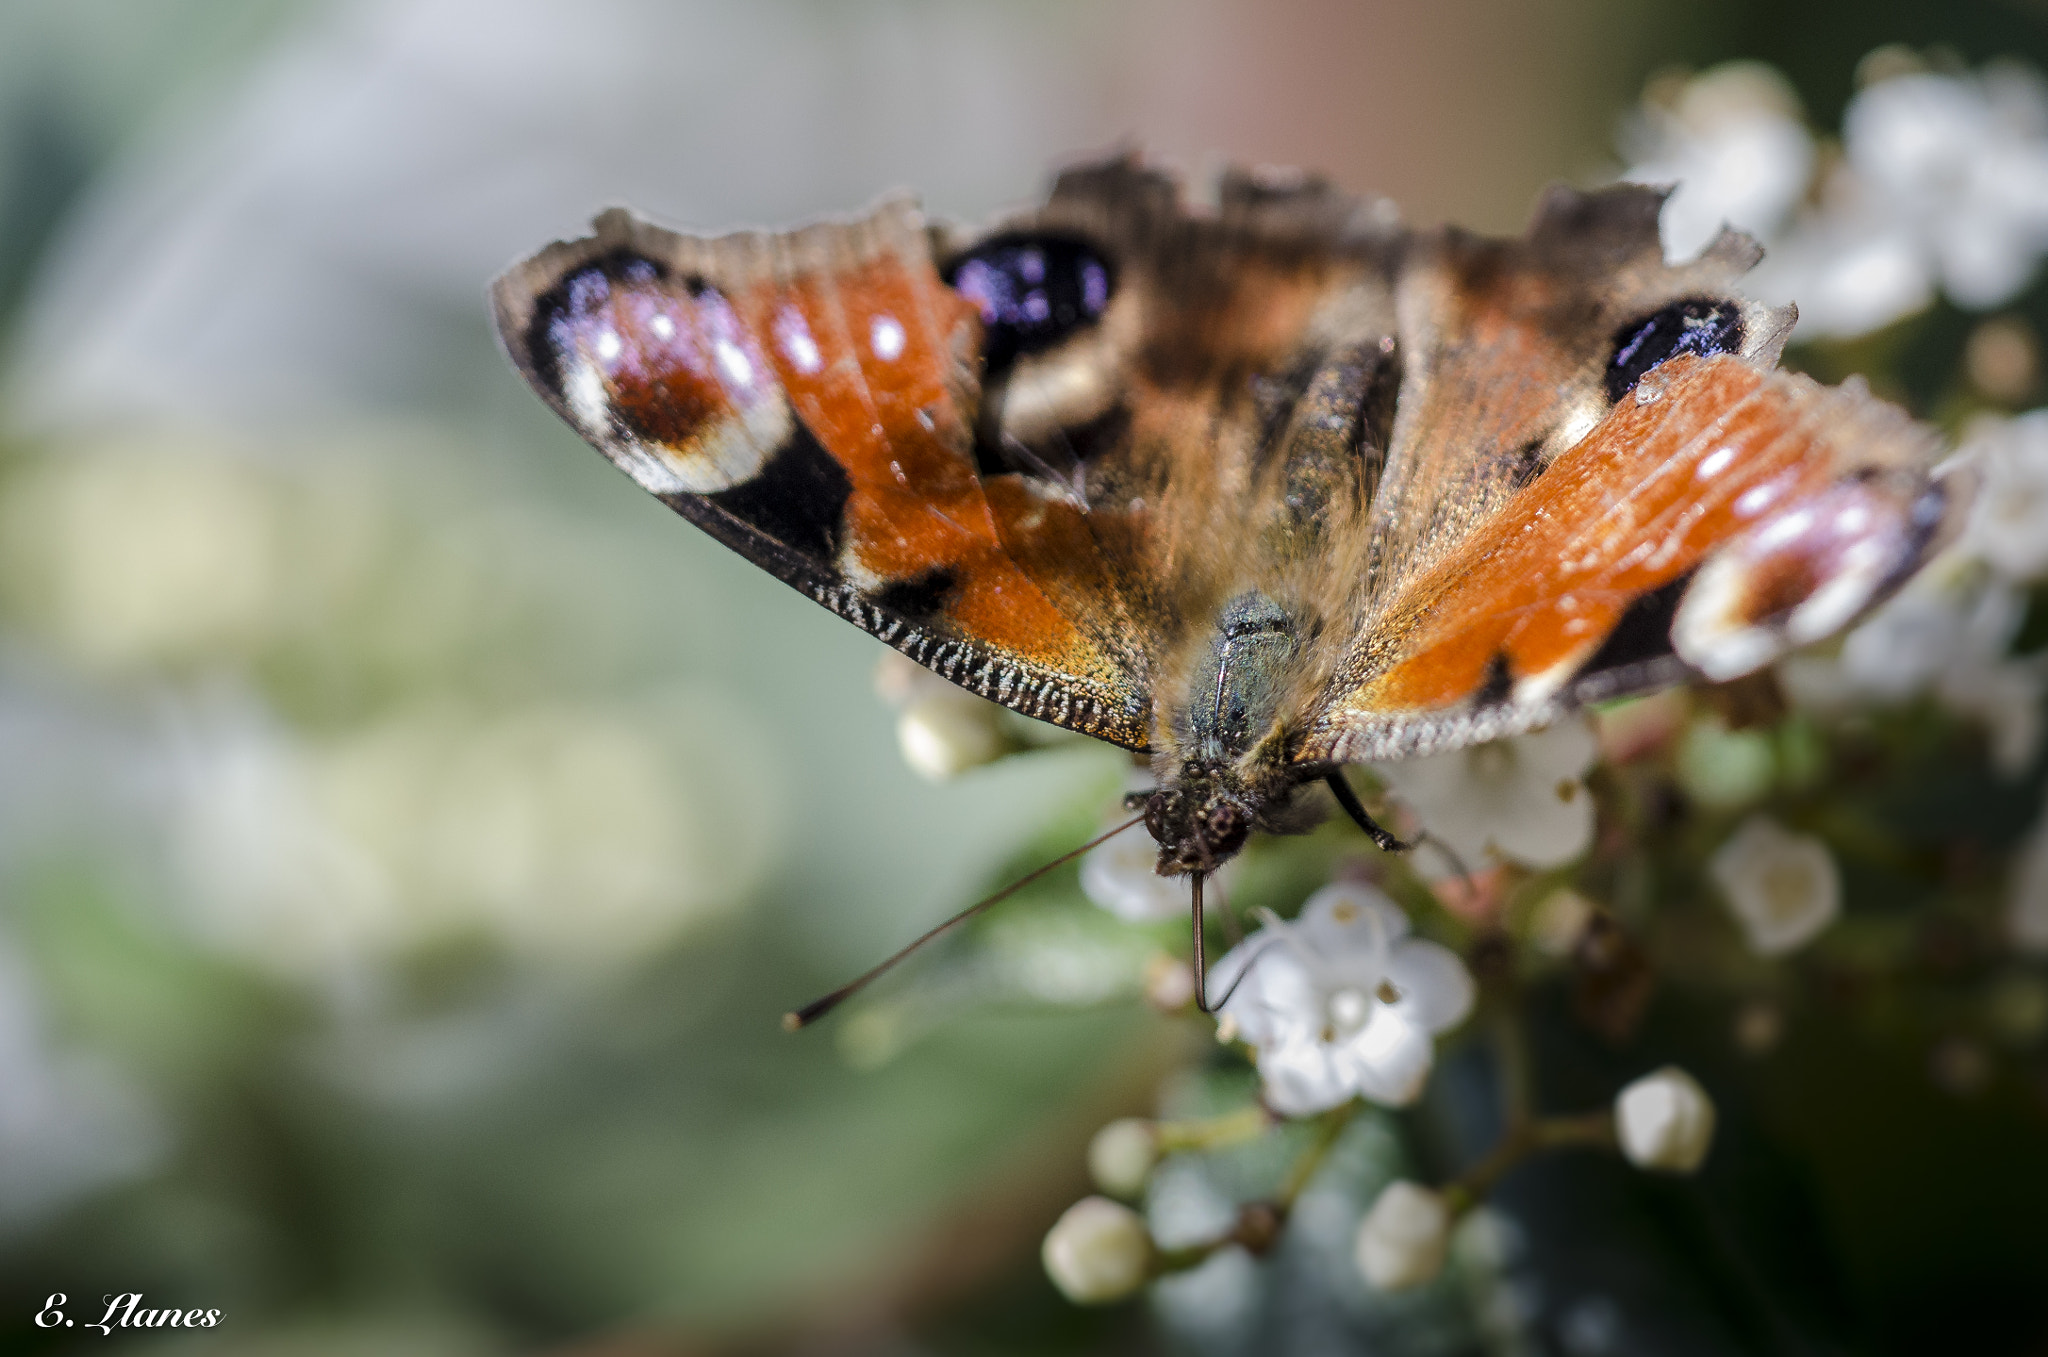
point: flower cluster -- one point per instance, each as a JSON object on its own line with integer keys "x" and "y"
{"x": 1940, "y": 190}
{"x": 1341, "y": 1002}
{"x": 1941, "y": 187}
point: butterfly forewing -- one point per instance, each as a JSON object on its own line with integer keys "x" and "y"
{"x": 808, "y": 398}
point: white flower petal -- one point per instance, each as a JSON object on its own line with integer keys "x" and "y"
{"x": 2009, "y": 526}
{"x": 1520, "y": 798}
{"x": 943, "y": 734}
{"x": 1737, "y": 150}
{"x": 1278, "y": 1001}
{"x": 1314, "y": 1005}
{"x": 1120, "y": 875}
{"x": 1303, "y": 1077}
{"x": 1436, "y": 990}
{"x": 1352, "y": 924}
{"x": 1390, "y": 1058}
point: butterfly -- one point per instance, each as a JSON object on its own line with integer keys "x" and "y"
{"x": 1257, "y": 489}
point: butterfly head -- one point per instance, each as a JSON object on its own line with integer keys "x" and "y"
{"x": 1200, "y": 822}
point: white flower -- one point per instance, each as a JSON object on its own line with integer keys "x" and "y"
{"x": 1783, "y": 887}
{"x": 941, "y": 730}
{"x": 1121, "y": 875}
{"x": 1948, "y": 616}
{"x": 1946, "y": 633}
{"x": 2009, "y": 525}
{"x": 943, "y": 734}
{"x": 1963, "y": 163}
{"x": 1736, "y": 148}
{"x": 1341, "y": 1002}
{"x": 1401, "y": 1241}
{"x": 1520, "y": 800}
{"x": 1098, "y": 1251}
{"x": 1943, "y": 183}
{"x": 2026, "y": 901}
{"x": 1122, "y": 1155}
{"x": 1665, "y": 1120}
{"x": 1849, "y": 268}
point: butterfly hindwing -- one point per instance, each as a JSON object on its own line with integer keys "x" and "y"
{"x": 1682, "y": 508}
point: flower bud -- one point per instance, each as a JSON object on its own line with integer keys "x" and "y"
{"x": 1402, "y": 1239}
{"x": 1122, "y": 1155}
{"x": 1665, "y": 1120}
{"x": 942, "y": 734}
{"x": 1098, "y": 1251}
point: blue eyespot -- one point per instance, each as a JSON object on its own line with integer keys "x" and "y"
{"x": 1697, "y": 325}
{"x": 1033, "y": 291}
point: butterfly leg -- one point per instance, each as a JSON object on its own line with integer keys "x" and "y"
{"x": 1348, "y": 799}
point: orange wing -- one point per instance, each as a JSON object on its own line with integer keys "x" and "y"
{"x": 806, "y": 398}
{"x": 1750, "y": 510}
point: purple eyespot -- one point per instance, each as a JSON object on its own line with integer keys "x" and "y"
{"x": 1033, "y": 292}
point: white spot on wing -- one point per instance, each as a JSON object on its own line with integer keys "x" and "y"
{"x": 886, "y": 336}
{"x": 609, "y": 346}
{"x": 797, "y": 345}
{"x": 1714, "y": 463}
{"x": 648, "y": 472}
{"x": 1708, "y": 634}
{"x": 737, "y": 367}
{"x": 664, "y": 327}
{"x": 583, "y": 389}
{"x": 1756, "y": 499}
{"x": 1784, "y": 530}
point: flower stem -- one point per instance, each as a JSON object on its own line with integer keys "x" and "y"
{"x": 1333, "y": 1123}
{"x": 1214, "y": 1133}
{"x": 1258, "y": 1224}
{"x": 1523, "y": 1133}
{"x": 1513, "y": 1068}
{"x": 1591, "y": 1130}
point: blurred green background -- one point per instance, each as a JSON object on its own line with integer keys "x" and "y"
{"x": 409, "y": 831}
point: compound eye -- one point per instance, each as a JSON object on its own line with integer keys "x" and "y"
{"x": 1033, "y": 292}
{"x": 1699, "y": 325}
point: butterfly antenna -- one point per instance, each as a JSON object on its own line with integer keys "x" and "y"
{"x": 818, "y": 1008}
{"x": 1382, "y": 839}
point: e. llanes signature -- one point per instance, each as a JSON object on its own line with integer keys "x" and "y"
{"x": 125, "y": 1312}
